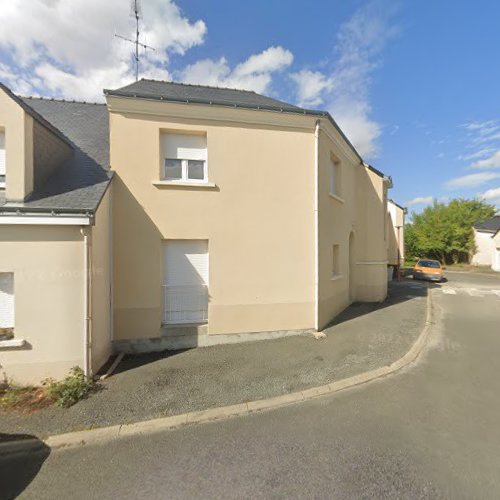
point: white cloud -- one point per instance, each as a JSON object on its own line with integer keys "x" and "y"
{"x": 420, "y": 200}
{"x": 359, "y": 46}
{"x": 472, "y": 180}
{"x": 70, "y": 48}
{"x": 492, "y": 162}
{"x": 310, "y": 86}
{"x": 491, "y": 194}
{"x": 253, "y": 74}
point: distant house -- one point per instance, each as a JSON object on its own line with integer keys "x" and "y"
{"x": 177, "y": 216}
{"x": 395, "y": 234}
{"x": 487, "y": 239}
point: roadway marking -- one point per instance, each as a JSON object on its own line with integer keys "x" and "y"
{"x": 496, "y": 292}
{"x": 449, "y": 291}
{"x": 474, "y": 292}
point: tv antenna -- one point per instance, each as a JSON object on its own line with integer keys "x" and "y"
{"x": 136, "y": 12}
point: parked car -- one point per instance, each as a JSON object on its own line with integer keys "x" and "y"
{"x": 428, "y": 269}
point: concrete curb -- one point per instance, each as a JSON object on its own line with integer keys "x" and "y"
{"x": 104, "y": 434}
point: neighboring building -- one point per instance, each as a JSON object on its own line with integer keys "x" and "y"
{"x": 487, "y": 243}
{"x": 396, "y": 240}
{"x": 230, "y": 216}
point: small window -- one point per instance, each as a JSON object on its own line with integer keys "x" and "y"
{"x": 335, "y": 177}
{"x": 6, "y": 301}
{"x": 335, "y": 261}
{"x": 2, "y": 159}
{"x": 184, "y": 157}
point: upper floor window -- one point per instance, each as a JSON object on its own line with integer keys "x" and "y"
{"x": 335, "y": 177}
{"x": 2, "y": 159}
{"x": 184, "y": 157}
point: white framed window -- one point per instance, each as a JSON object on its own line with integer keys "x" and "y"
{"x": 335, "y": 177}
{"x": 6, "y": 300}
{"x": 184, "y": 157}
{"x": 335, "y": 261}
{"x": 2, "y": 158}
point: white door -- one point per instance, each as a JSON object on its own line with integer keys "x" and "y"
{"x": 6, "y": 300}
{"x": 185, "y": 281}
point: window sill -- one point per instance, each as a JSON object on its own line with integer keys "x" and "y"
{"x": 12, "y": 344}
{"x": 183, "y": 184}
{"x": 335, "y": 197}
{"x": 336, "y": 277}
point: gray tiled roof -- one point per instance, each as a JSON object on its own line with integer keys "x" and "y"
{"x": 182, "y": 92}
{"x": 489, "y": 225}
{"x": 78, "y": 184}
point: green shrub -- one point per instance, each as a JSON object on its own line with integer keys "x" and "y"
{"x": 75, "y": 387}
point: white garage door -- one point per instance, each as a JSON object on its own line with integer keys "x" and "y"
{"x": 185, "y": 281}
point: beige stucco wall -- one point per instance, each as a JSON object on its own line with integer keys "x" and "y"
{"x": 18, "y": 127}
{"x": 47, "y": 262}
{"x": 259, "y": 219}
{"x": 355, "y": 221}
{"x": 101, "y": 285}
{"x": 371, "y": 262}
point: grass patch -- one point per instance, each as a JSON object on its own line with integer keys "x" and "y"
{"x": 65, "y": 393}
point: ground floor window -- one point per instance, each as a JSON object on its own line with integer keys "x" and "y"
{"x": 185, "y": 281}
{"x": 6, "y": 301}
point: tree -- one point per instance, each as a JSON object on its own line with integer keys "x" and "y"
{"x": 444, "y": 231}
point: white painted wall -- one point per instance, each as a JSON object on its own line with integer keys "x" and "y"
{"x": 485, "y": 249}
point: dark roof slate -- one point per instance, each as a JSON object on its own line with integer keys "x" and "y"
{"x": 489, "y": 225}
{"x": 79, "y": 184}
{"x": 182, "y": 92}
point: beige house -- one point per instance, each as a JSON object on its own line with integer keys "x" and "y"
{"x": 487, "y": 240}
{"x": 396, "y": 240}
{"x": 219, "y": 216}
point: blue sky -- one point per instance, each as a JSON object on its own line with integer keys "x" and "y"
{"x": 413, "y": 84}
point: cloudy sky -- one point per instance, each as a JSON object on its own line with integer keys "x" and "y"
{"x": 413, "y": 84}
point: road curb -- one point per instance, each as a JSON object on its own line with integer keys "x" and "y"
{"x": 104, "y": 434}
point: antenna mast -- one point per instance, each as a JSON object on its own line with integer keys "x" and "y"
{"x": 136, "y": 12}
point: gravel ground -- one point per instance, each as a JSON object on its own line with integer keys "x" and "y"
{"x": 363, "y": 337}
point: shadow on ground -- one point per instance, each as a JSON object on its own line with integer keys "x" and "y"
{"x": 363, "y": 337}
{"x": 20, "y": 463}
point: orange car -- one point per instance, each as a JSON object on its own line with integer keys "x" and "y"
{"x": 428, "y": 269}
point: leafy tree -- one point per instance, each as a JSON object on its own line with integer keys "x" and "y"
{"x": 444, "y": 231}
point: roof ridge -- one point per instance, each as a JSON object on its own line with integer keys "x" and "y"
{"x": 198, "y": 85}
{"x": 58, "y": 99}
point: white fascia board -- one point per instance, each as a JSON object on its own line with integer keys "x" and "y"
{"x": 45, "y": 220}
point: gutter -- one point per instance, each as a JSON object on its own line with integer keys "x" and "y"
{"x": 316, "y": 226}
{"x": 87, "y": 276}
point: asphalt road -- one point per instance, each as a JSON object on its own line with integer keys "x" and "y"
{"x": 430, "y": 431}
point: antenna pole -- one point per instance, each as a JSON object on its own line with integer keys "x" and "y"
{"x": 137, "y": 42}
{"x": 136, "y": 12}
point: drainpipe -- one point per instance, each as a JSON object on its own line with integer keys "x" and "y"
{"x": 316, "y": 226}
{"x": 87, "y": 366}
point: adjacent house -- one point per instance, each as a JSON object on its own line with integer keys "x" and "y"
{"x": 177, "y": 216}
{"x": 486, "y": 237}
{"x": 396, "y": 240}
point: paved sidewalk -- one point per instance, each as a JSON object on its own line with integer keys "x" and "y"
{"x": 364, "y": 337}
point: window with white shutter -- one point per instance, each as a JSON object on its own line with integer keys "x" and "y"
{"x": 184, "y": 157}
{"x": 6, "y": 300}
{"x": 2, "y": 159}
